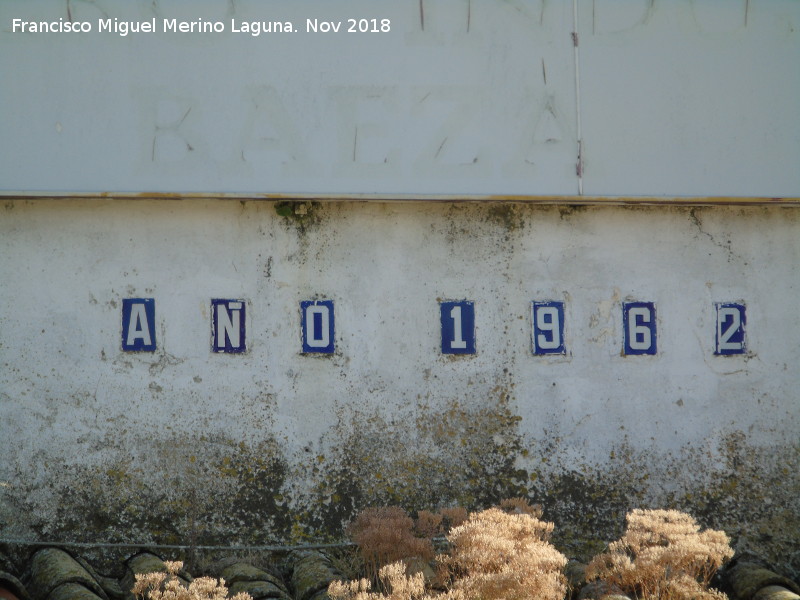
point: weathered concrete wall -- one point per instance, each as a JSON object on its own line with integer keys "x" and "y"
{"x": 186, "y": 445}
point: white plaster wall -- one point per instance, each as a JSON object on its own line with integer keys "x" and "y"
{"x": 66, "y": 266}
{"x": 274, "y": 445}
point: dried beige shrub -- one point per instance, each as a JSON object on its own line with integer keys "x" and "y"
{"x": 663, "y": 556}
{"x": 167, "y": 586}
{"x": 385, "y": 535}
{"x": 428, "y": 524}
{"x": 453, "y": 517}
{"x": 359, "y": 589}
{"x": 497, "y": 554}
{"x": 397, "y": 583}
{"x": 500, "y": 556}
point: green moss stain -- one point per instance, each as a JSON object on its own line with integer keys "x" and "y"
{"x": 204, "y": 493}
{"x": 285, "y": 209}
{"x": 750, "y": 492}
{"x": 298, "y": 214}
{"x": 451, "y": 454}
{"x": 754, "y": 496}
{"x": 258, "y": 509}
{"x": 455, "y": 455}
{"x": 507, "y": 215}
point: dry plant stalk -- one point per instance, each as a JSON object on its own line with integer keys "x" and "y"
{"x": 167, "y": 586}
{"x": 398, "y": 585}
{"x": 385, "y": 535}
{"x": 501, "y": 556}
{"x": 663, "y": 556}
{"x": 428, "y": 524}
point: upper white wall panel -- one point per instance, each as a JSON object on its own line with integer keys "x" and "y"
{"x": 690, "y": 97}
{"x": 452, "y": 99}
{"x": 458, "y": 97}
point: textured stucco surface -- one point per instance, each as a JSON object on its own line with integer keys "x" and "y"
{"x": 185, "y": 445}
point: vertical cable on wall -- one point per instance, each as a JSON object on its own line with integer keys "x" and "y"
{"x": 576, "y": 55}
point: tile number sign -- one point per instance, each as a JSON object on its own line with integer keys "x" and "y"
{"x": 139, "y": 324}
{"x": 730, "y": 329}
{"x": 458, "y": 327}
{"x": 639, "y": 328}
{"x": 457, "y": 318}
{"x": 228, "y": 326}
{"x": 548, "y": 328}
{"x": 317, "y": 328}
